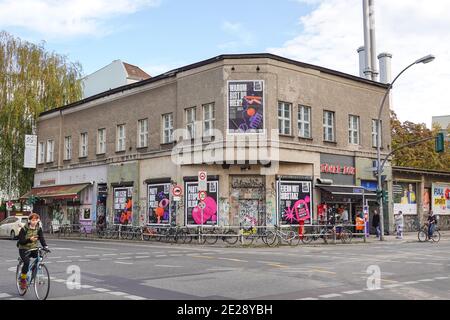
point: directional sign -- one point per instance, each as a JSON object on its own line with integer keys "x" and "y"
{"x": 202, "y": 181}
{"x": 177, "y": 191}
{"x": 202, "y": 195}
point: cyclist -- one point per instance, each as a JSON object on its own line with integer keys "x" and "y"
{"x": 432, "y": 221}
{"x": 28, "y": 237}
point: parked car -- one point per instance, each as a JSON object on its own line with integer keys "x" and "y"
{"x": 10, "y": 227}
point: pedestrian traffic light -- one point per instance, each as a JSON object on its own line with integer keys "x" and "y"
{"x": 440, "y": 143}
{"x": 379, "y": 194}
{"x": 385, "y": 196}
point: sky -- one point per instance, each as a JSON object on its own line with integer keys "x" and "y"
{"x": 160, "y": 35}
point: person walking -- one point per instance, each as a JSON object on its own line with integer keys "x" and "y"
{"x": 376, "y": 223}
{"x": 399, "y": 222}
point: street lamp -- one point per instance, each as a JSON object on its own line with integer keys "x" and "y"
{"x": 427, "y": 59}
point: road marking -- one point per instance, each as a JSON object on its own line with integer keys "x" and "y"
{"x": 235, "y": 260}
{"x": 5, "y": 295}
{"x": 12, "y": 269}
{"x": 21, "y": 299}
{"x": 141, "y": 253}
{"x": 117, "y": 293}
{"x": 59, "y": 280}
{"x": 391, "y": 281}
{"x": 98, "y": 248}
{"x": 125, "y": 258}
{"x": 352, "y": 292}
{"x": 441, "y": 278}
{"x": 64, "y": 261}
{"x": 101, "y": 290}
{"x": 85, "y": 286}
{"x": 142, "y": 257}
{"x": 333, "y": 295}
{"x": 105, "y": 259}
{"x": 203, "y": 257}
{"x": 276, "y": 265}
{"x": 127, "y": 263}
{"x": 160, "y": 256}
{"x": 176, "y": 255}
{"x": 110, "y": 254}
{"x": 54, "y": 257}
{"x": 167, "y": 266}
{"x": 306, "y": 299}
{"x": 426, "y": 280}
{"x": 389, "y": 286}
{"x": 435, "y": 264}
{"x": 84, "y": 260}
{"x": 413, "y": 262}
{"x": 73, "y": 256}
{"x": 410, "y": 282}
{"x": 323, "y": 271}
{"x": 135, "y": 298}
{"x": 92, "y": 255}
{"x": 126, "y": 254}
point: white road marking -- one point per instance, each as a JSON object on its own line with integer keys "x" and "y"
{"x": 410, "y": 282}
{"x": 306, "y": 299}
{"x": 73, "y": 256}
{"x": 5, "y": 295}
{"x": 426, "y": 280}
{"x": 84, "y": 260}
{"x": 110, "y": 254}
{"x": 142, "y": 257}
{"x": 125, "y": 258}
{"x": 98, "y": 248}
{"x": 167, "y": 266}
{"x": 54, "y": 257}
{"x": 117, "y": 293}
{"x": 389, "y": 286}
{"x": 235, "y": 260}
{"x": 441, "y": 278}
{"x": 59, "y": 280}
{"x": 119, "y": 262}
{"x": 135, "y": 298}
{"x": 126, "y": 254}
{"x": 101, "y": 290}
{"x": 160, "y": 256}
{"x": 64, "y": 261}
{"x": 85, "y": 286}
{"x": 12, "y": 269}
{"x": 92, "y": 255}
{"x": 352, "y": 292}
{"x": 333, "y": 295}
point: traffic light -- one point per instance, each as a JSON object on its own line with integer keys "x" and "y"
{"x": 379, "y": 194}
{"x": 440, "y": 143}
{"x": 385, "y": 196}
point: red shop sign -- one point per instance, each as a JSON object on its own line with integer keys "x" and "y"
{"x": 337, "y": 169}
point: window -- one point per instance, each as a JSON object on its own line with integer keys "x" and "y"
{"x": 328, "y": 126}
{"x": 50, "y": 145}
{"x": 167, "y": 128}
{"x": 284, "y": 118}
{"x": 83, "y": 145}
{"x": 67, "y": 148}
{"x": 209, "y": 119}
{"x": 143, "y": 133}
{"x": 120, "y": 138}
{"x": 41, "y": 152}
{"x": 353, "y": 130}
{"x": 304, "y": 122}
{"x": 375, "y": 132}
{"x": 190, "y": 123}
{"x": 101, "y": 141}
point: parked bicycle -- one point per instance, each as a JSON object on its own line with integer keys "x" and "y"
{"x": 37, "y": 275}
{"x": 278, "y": 236}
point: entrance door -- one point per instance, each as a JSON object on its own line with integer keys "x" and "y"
{"x": 248, "y": 198}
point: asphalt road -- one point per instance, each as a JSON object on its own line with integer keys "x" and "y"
{"x": 154, "y": 271}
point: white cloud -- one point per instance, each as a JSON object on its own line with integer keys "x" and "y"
{"x": 244, "y": 38}
{"x": 66, "y": 18}
{"x": 408, "y": 29}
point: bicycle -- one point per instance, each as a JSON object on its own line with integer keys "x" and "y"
{"x": 37, "y": 274}
{"x": 277, "y": 236}
{"x": 249, "y": 234}
{"x": 316, "y": 234}
{"x": 423, "y": 234}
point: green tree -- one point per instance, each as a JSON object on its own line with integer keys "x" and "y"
{"x": 422, "y": 156}
{"x": 32, "y": 80}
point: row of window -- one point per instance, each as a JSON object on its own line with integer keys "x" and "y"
{"x": 142, "y": 137}
{"x": 329, "y": 126}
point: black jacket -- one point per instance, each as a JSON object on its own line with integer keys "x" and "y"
{"x": 23, "y": 240}
{"x": 376, "y": 220}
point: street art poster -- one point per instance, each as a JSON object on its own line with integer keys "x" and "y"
{"x": 294, "y": 202}
{"x": 123, "y": 205}
{"x": 159, "y": 203}
{"x": 207, "y": 216}
{"x": 441, "y": 199}
{"x": 405, "y": 197}
{"x": 246, "y": 107}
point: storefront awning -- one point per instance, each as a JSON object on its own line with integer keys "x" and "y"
{"x": 57, "y": 192}
{"x": 347, "y": 191}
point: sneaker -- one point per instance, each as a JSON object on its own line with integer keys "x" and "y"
{"x": 23, "y": 284}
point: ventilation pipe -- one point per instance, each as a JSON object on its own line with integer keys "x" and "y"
{"x": 385, "y": 67}
{"x": 362, "y": 61}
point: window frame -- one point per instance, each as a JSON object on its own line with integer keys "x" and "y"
{"x": 168, "y": 129}
{"x": 352, "y": 130}
{"x": 211, "y": 121}
{"x": 327, "y": 126}
{"x": 142, "y": 136}
{"x": 301, "y": 121}
{"x": 190, "y": 123}
{"x": 84, "y": 144}
{"x": 282, "y": 119}
{"x": 41, "y": 152}
{"x": 67, "y": 148}
{"x": 120, "y": 138}
{"x": 101, "y": 142}
{"x": 50, "y": 154}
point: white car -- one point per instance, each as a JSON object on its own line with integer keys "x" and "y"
{"x": 10, "y": 227}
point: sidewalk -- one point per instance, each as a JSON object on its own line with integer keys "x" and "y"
{"x": 408, "y": 237}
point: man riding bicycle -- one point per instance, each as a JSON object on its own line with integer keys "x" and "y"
{"x": 28, "y": 240}
{"x": 431, "y": 221}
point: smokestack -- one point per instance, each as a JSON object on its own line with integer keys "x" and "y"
{"x": 373, "y": 40}
{"x": 362, "y": 61}
{"x": 367, "y": 42}
{"x": 385, "y": 67}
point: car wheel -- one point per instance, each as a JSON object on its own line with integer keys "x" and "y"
{"x": 13, "y": 235}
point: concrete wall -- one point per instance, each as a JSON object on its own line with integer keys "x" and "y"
{"x": 112, "y": 76}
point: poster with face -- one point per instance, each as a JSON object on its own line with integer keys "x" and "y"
{"x": 405, "y": 197}
{"x": 245, "y": 107}
{"x": 294, "y": 202}
{"x": 159, "y": 203}
{"x": 194, "y": 214}
{"x": 123, "y": 205}
{"x": 441, "y": 199}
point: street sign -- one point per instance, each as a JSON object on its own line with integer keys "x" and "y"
{"x": 202, "y": 205}
{"x": 177, "y": 191}
{"x": 176, "y": 199}
{"x": 202, "y": 195}
{"x": 202, "y": 181}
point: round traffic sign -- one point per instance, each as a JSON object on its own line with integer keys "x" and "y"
{"x": 202, "y": 176}
{"x": 202, "y": 205}
{"x": 202, "y": 195}
{"x": 177, "y": 191}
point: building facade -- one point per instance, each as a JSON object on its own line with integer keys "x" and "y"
{"x": 280, "y": 141}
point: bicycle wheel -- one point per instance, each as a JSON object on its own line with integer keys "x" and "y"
{"x": 272, "y": 239}
{"x": 293, "y": 238}
{"x": 42, "y": 283}
{"x": 230, "y": 237}
{"x": 18, "y": 278}
{"x": 211, "y": 237}
{"x": 248, "y": 239}
{"x": 422, "y": 236}
{"x": 436, "y": 236}
{"x": 345, "y": 236}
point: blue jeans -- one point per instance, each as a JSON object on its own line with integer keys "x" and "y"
{"x": 378, "y": 231}
{"x": 431, "y": 229}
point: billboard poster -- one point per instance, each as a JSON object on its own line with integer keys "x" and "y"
{"x": 193, "y": 212}
{"x": 405, "y": 197}
{"x": 159, "y": 203}
{"x": 294, "y": 202}
{"x": 30, "y": 152}
{"x": 123, "y": 205}
{"x": 441, "y": 198}
{"x": 246, "y": 107}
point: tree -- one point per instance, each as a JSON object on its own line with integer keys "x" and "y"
{"x": 422, "y": 156}
{"x": 32, "y": 80}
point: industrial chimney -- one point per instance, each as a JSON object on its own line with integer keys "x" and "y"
{"x": 385, "y": 67}
{"x": 370, "y": 69}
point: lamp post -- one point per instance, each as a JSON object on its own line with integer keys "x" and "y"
{"x": 424, "y": 60}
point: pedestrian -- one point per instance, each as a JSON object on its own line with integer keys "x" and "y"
{"x": 344, "y": 216}
{"x": 399, "y": 222}
{"x": 376, "y": 223}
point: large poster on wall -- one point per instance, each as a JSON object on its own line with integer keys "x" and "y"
{"x": 194, "y": 215}
{"x": 159, "y": 203}
{"x": 246, "y": 106}
{"x": 123, "y": 205}
{"x": 441, "y": 198}
{"x": 294, "y": 202}
{"x": 405, "y": 197}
